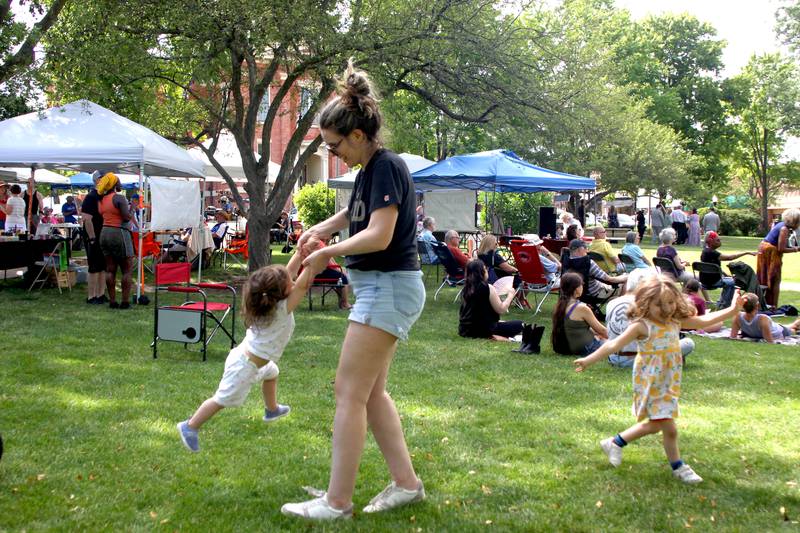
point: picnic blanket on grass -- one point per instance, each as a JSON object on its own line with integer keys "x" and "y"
{"x": 725, "y": 333}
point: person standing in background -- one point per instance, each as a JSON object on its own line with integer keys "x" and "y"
{"x": 641, "y": 225}
{"x": 711, "y": 221}
{"x": 658, "y": 221}
{"x": 69, "y": 210}
{"x": 679, "y": 224}
{"x": 582, "y": 213}
{"x": 34, "y": 211}
{"x": 3, "y": 200}
{"x": 92, "y": 225}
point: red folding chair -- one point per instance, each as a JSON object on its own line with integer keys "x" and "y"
{"x": 188, "y": 321}
{"x": 531, "y": 272}
{"x": 326, "y": 285}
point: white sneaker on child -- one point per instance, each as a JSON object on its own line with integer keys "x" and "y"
{"x": 613, "y": 451}
{"x": 687, "y": 475}
{"x": 393, "y": 496}
{"x": 316, "y": 509}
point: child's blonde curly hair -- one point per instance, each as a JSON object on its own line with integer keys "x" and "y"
{"x": 655, "y": 289}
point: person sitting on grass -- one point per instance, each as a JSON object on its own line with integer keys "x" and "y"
{"x": 753, "y": 325}
{"x": 576, "y": 331}
{"x": 658, "y": 314}
{"x": 481, "y": 307}
{"x": 269, "y": 299}
{"x": 692, "y": 291}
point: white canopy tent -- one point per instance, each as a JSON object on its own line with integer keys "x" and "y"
{"x": 85, "y": 136}
{"x": 42, "y": 176}
{"x": 227, "y": 154}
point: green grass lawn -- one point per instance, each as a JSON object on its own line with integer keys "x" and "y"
{"x": 502, "y": 440}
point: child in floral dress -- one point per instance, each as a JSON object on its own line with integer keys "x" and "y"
{"x": 657, "y": 316}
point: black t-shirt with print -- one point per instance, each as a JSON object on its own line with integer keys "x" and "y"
{"x": 383, "y": 182}
{"x": 91, "y": 206}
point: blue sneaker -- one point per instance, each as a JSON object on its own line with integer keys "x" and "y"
{"x": 280, "y": 412}
{"x": 188, "y": 436}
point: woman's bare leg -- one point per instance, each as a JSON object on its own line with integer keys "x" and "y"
{"x": 366, "y": 355}
{"x": 384, "y": 422}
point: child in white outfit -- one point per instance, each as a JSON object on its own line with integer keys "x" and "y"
{"x": 269, "y": 299}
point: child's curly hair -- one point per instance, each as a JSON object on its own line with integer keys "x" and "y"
{"x": 262, "y": 291}
{"x": 659, "y": 288}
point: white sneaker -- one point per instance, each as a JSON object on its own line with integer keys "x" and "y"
{"x": 316, "y": 509}
{"x": 687, "y": 475}
{"x": 393, "y": 496}
{"x": 613, "y": 451}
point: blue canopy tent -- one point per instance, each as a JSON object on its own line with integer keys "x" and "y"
{"x": 497, "y": 171}
{"x": 82, "y": 180}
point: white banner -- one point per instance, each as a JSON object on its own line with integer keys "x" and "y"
{"x": 175, "y": 204}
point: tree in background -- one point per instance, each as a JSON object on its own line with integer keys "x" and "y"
{"x": 788, "y": 25}
{"x": 672, "y": 63}
{"x": 193, "y": 69}
{"x": 17, "y": 41}
{"x": 764, "y": 110}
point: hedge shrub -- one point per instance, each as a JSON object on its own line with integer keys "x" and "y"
{"x": 314, "y": 203}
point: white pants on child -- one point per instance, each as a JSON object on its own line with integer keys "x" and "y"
{"x": 239, "y": 377}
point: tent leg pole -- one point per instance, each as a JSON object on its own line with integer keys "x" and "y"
{"x": 202, "y": 221}
{"x": 140, "y": 266}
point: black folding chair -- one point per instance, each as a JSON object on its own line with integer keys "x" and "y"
{"x": 454, "y": 274}
{"x": 628, "y": 261}
{"x": 425, "y": 250}
{"x": 666, "y": 266}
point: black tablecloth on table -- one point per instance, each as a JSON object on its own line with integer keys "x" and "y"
{"x": 16, "y": 254}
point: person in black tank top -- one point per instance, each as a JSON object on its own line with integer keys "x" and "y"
{"x": 481, "y": 307}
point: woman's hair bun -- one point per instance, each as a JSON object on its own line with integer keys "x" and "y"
{"x": 357, "y": 92}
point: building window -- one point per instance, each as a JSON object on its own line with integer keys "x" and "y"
{"x": 306, "y": 100}
{"x": 263, "y": 107}
{"x": 259, "y": 148}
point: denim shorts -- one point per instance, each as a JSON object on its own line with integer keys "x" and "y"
{"x": 391, "y": 301}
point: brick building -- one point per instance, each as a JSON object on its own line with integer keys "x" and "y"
{"x": 321, "y": 166}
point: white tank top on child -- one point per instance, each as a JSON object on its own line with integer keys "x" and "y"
{"x": 268, "y": 341}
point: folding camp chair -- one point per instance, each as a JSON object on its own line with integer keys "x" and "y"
{"x": 531, "y": 272}
{"x": 666, "y": 266}
{"x": 188, "y": 322}
{"x": 453, "y": 274}
{"x": 425, "y": 250}
{"x": 236, "y": 250}
{"x": 325, "y": 285}
{"x": 582, "y": 266}
{"x": 150, "y": 247}
{"x": 630, "y": 264}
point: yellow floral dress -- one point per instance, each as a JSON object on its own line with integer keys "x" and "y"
{"x": 657, "y": 373}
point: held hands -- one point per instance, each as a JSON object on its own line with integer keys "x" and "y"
{"x": 317, "y": 261}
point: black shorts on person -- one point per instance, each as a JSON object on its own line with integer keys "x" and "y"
{"x": 94, "y": 255}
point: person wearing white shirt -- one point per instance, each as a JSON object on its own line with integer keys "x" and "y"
{"x": 679, "y": 219}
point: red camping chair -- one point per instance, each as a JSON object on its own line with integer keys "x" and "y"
{"x": 531, "y": 272}
{"x": 326, "y": 285}
{"x": 188, "y": 322}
